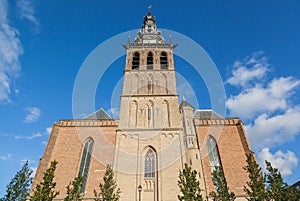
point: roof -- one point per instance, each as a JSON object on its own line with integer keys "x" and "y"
{"x": 184, "y": 103}
{"x": 297, "y": 185}
{"x": 207, "y": 114}
{"x": 100, "y": 114}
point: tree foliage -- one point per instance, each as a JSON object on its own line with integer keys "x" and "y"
{"x": 277, "y": 188}
{"x": 74, "y": 192}
{"x": 18, "y": 187}
{"x": 221, "y": 192}
{"x": 45, "y": 190}
{"x": 255, "y": 188}
{"x": 189, "y": 185}
{"x": 109, "y": 190}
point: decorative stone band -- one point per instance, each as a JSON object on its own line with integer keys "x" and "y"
{"x": 97, "y": 123}
{"x": 150, "y": 45}
{"x": 226, "y": 121}
{"x": 88, "y": 123}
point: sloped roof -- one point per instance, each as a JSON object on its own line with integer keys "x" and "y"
{"x": 100, "y": 114}
{"x": 207, "y": 114}
{"x": 184, "y": 103}
{"x": 297, "y": 185}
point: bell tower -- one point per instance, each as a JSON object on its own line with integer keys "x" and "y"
{"x": 149, "y": 91}
{"x": 149, "y": 137}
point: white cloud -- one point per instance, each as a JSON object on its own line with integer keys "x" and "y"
{"x": 265, "y": 104}
{"x": 11, "y": 48}
{"x": 274, "y": 130}
{"x": 48, "y": 130}
{"x": 285, "y": 162}
{"x": 23, "y": 161}
{"x": 3, "y": 11}
{"x": 5, "y": 158}
{"x": 258, "y": 99}
{"x": 33, "y": 114}
{"x": 27, "y": 11}
{"x": 10, "y": 51}
{"x": 251, "y": 68}
{"x": 35, "y": 135}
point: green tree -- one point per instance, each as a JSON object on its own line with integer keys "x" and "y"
{"x": 109, "y": 190}
{"x": 74, "y": 190}
{"x": 221, "y": 192}
{"x": 277, "y": 188}
{"x": 189, "y": 185}
{"x": 18, "y": 187}
{"x": 45, "y": 190}
{"x": 255, "y": 188}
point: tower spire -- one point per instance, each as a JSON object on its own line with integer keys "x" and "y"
{"x": 149, "y": 9}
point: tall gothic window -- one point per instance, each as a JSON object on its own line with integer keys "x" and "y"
{"x": 163, "y": 60}
{"x": 213, "y": 153}
{"x": 150, "y": 84}
{"x": 133, "y": 114}
{"x": 150, "y": 164}
{"x": 150, "y": 114}
{"x": 166, "y": 113}
{"x": 85, "y": 161}
{"x": 136, "y": 61}
{"x": 150, "y": 61}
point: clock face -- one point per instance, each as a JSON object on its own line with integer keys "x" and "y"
{"x": 150, "y": 41}
{"x": 149, "y": 22}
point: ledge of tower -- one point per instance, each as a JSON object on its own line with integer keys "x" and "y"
{"x": 100, "y": 114}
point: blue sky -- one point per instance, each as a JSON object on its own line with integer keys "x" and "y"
{"x": 254, "y": 44}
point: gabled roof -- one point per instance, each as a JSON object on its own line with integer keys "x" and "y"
{"x": 184, "y": 103}
{"x": 297, "y": 185}
{"x": 207, "y": 114}
{"x": 100, "y": 114}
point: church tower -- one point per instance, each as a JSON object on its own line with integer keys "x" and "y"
{"x": 149, "y": 149}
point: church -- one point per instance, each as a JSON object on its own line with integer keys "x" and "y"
{"x": 154, "y": 136}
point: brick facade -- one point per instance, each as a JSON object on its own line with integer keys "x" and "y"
{"x": 151, "y": 121}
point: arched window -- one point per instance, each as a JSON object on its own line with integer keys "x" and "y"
{"x": 150, "y": 61}
{"x": 213, "y": 153}
{"x": 150, "y": 84}
{"x": 136, "y": 61}
{"x": 150, "y": 164}
{"x": 163, "y": 60}
{"x": 85, "y": 161}
{"x": 166, "y": 113}
{"x": 150, "y": 114}
{"x": 133, "y": 114}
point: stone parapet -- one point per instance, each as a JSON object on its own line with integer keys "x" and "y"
{"x": 88, "y": 123}
{"x": 226, "y": 121}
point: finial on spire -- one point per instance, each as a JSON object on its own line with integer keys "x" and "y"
{"x": 149, "y": 9}
{"x": 183, "y": 98}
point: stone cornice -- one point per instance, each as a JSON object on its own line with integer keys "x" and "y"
{"x": 88, "y": 123}
{"x": 226, "y": 121}
{"x": 149, "y": 129}
{"x": 150, "y": 45}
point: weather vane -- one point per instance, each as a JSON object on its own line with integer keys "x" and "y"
{"x": 149, "y": 8}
